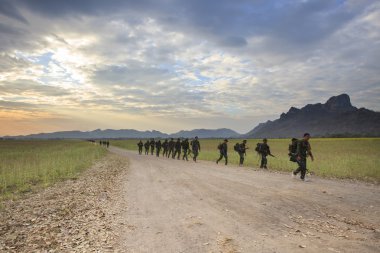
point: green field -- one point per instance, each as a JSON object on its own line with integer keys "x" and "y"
{"x": 341, "y": 158}
{"x": 25, "y": 165}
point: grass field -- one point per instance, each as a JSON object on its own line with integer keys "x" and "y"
{"x": 341, "y": 158}
{"x": 28, "y": 164}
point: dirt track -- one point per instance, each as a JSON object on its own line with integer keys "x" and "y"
{"x": 177, "y": 206}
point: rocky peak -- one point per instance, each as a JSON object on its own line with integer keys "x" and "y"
{"x": 339, "y": 103}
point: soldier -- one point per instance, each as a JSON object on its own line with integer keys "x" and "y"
{"x": 264, "y": 150}
{"x": 242, "y": 152}
{"x": 177, "y": 149}
{"x": 158, "y": 148}
{"x": 171, "y": 147}
{"x": 146, "y": 146}
{"x": 140, "y": 145}
{"x": 185, "y": 148}
{"x": 165, "y": 146}
{"x": 303, "y": 151}
{"x": 152, "y": 144}
{"x": 223, "y": 151}
{"x": 196, "y": 148}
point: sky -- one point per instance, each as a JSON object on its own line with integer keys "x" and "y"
{"x": 171, "y": 65}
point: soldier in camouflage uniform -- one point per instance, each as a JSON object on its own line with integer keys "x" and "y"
{"x": 158, "y": 148}
{"x": 177, "y": 149}
{"x": 171, "y": 147}
{"x": 223, "y": 152}
{"x": 264, "y": 151}
{"x": 185, "y": 149}
{"x": 146, "y": 146}
{"x": 140, "y": 145}
{"x": 303, "y": 151}
{"x": 152, "y": 145}
{"x": 242, "y": 152}
{"x": 165, "y": 146}
{"x": 196, "y": 148}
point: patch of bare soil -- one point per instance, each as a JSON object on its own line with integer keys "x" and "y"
{"x": 71, "y": 216}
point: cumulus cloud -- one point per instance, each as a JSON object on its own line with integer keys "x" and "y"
{"x": 197, "y": 63}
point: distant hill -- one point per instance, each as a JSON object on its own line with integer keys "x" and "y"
{"x": 336, "y": 118}
{"x": 129, "y": 134}
{"x": 207, "y": 133}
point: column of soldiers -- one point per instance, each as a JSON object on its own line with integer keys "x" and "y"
{"x": 104, "y": 143}
{"x": 299, "y": 150}
{"x": 172, "y": 148}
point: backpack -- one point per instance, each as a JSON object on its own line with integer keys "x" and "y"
{"x": 237, "y": 147}
{"x": 293, "y": 151}
{"x": 220, "y": 146}
{"x": 258, "y": 148}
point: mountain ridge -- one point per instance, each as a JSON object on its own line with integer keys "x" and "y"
{"x": 336, "y": 117}
{"x": 129, "y": 134}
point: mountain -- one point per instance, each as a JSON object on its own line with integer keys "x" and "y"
{"x": 96, "y": 134}
{"x": 337, "y": 117}
{"x": 207, "y": 133}
{"x": 129, "y": 134}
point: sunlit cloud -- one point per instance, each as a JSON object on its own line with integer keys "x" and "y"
{"x": 172, "y": 65}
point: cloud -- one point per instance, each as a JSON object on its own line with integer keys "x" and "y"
{"x": 7, "y": 9}
{"x": 215, "y": 61}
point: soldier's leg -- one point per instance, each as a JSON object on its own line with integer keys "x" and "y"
{"x": 241, "y": 158}
{"x": 303, "y": 168}
{"x": 185, "y": 154}
{"x": 226, "y": 157}
{"x": 295, "y": 172}
{"x": 220, "y": 158}
{"x": 265, "y": 161}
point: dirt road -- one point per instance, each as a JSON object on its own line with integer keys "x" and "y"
{"x": 178, "y": 206}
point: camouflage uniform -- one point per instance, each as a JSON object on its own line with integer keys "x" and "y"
{"x": 146, "y": 146}
{"x": 165, "y": 146}
{"x": 185, "y": 149}
{"x": 264, "y": 152}
{"x": 158, "y": 148}
{"x": 177, "y": 149}
{"x": 152, "y": 144}
{"x": 303, "y": 151}
{"x": 171, "y": 147}
{"x": 140, "y": 145}
{"x": 195, "y": 147}
{"x": 242, "y": 152}
{"x": 223, "y": 152}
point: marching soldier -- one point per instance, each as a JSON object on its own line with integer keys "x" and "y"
{"x": 177, "y": 149}
{"x": 165, "y": 146}
{"x": 303, "y": 151}
{"x": 223, "y": 151}
{"x": 158, "y": 148}
{"x": 140, "y": 145}
{"x": 146, "y": 146}
{"x": 185, "y": 148}
{"x": 242, "y": 152}
{"x": 196, "y": 148}
{"x": 171, "y": 145}
{"x": 152, "y": 144}
{"x": 264, "y": 150}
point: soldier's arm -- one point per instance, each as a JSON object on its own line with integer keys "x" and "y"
{"x": 309, "y": 152}
{"x": 298, "y": 152}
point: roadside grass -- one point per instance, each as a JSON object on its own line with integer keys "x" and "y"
{"x": 25, "y": 165}
{"x": 352, "y": 158}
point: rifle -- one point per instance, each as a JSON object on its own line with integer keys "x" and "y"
{"x": 272, "y": 155}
